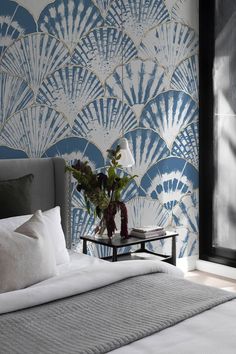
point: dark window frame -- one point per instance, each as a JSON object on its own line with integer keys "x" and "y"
{"x": 206, "y": 160}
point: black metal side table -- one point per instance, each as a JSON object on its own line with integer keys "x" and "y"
{"x": 118, "y": 242}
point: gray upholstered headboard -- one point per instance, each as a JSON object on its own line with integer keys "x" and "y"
{"x": 50, "y": 185}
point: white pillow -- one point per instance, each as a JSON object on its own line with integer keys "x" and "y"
{"x": 52, "y": 217}
{"x": 12, "y": 223}
{"x": 26, "y": 255}
{"x": 53, "y": 220}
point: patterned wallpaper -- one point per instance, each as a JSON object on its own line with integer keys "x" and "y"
{"x": 61, "y": 95}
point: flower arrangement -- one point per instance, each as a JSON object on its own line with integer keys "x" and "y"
{"x": 102, "y": 193}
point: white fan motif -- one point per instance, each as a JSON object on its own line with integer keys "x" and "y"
{"x": 137, "y": 82}
{"x": 34, "y": 130}
{"x": 15, "y": 22}
{"x": 147, "y": 148}
{"x": 169, "y": 44}
{"x": 187, "y": 242}
{"x": 82, "y": 224}
{"x": 102, "y": 50}
{"x": 103, "y": 6}
{"x": 69, "y": 89}
{"x": 10, "y": 103}
{"x": 169, "y": 180}
{"x": 145, "y": 211}
{"x": 186, "y": 77}
{"x": 33, "y": 57}
{"x": 186, "y": 145}
{"x": 138, "y": 16}
{"x": 69, "y": 20}
{"x": 185, "y": 213}
{"x": 185, "y": 11}
{"x": 35, "y": 7}
{"x": 103, "y": 121}
{"x": 169, "y": 113}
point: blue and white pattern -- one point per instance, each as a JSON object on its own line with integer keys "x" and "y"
{"x": 33, "y": 57}
{"x": 34, "y": 130}
{"x": 137, "y": 16}
{"x": 74, "y": 148}
{"x": 103, "y": 49}
{"x": 169, "y": 180}
{"x": 185, "y": 11}
{"x": 82, "y": 224}
{"x": 186, "y": 144}
{"x": 169, "y": 44}
{"x": 103, "y": 121}
{"x": 69, "y": 20}
{"x": 10, "y": 104}
{"x": 103, "y": 6}
{"x": 34, "y": 7}
{"x": 185, "y": 212}
{"x": 169, "y": 113}
{"x": 62, "y": 94}
{"x": 142, "y": 80}
{"x": 147, "y": 148}
{"x": 69, "y": 89}
{"x": 150, "y": 210}
{"x": 186, "y": 77}
{"x": 15, "y": 22}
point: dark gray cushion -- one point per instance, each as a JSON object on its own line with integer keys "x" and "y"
{"x": 15, "y": 196}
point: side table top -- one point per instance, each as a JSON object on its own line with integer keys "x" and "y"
{"x": 118, "y": 241}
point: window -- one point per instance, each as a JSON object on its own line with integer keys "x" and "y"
{"x": 218, "y": 131}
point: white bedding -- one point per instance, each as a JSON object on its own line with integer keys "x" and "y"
{"x": 212, "y": 332}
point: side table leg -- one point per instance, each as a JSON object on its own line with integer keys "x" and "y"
{"x": 174, "y": 250}
{"x": 142, "y": 247}
{"x": 85, "y": 246}
{"x": 114, "y": 256}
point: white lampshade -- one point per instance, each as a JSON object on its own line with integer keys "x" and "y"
{"x": 127, "y": 159}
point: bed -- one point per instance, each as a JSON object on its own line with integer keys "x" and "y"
{"x": 92, "y": 306}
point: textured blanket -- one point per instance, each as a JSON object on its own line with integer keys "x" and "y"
{"x": 107, "y": 318}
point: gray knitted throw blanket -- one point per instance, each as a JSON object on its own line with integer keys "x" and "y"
{"x": 107, "y": 318}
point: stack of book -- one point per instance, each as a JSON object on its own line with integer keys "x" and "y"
{"x": 147, "y": 231}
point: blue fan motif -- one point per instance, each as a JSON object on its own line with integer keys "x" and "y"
{"x": 130, "y": 191}
{"x": 15, "y": 22}
{"x": 82, "y": 224}
{"x": 34, "y": 57}
{"x": 185, "y": 213}
{"x": 186, "y": 145}
{"x": 69, "y": 89}
{"x": 78, "y": 200}
{"x": 103, "y": 6}
{"x": 102, "y": 50}
{"x": 168, "y": 113}
{"x": 69, "y": 20}
{"x": 169, "y": 180}
{"x": 185, "y": 11}
{"x": 143, "y": 209}
{"x": 73, "y": 149}
{"x": 8, "y": 153}
{"x": 34, "y": 129}
{"x": 137, "y": 82}
{"x": 186, "y": 77}
{"x": 147, "y": 148}
{"x": 187, "y": 244}
{"x": 138, "y": 17}
{"x": 103, "y": 121}
{"x": 9, "y": 103}
{"x": 169, "y": 44}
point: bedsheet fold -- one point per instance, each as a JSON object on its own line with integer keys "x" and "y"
{"x": 80, "y": 281}
{"x": 106, "y": 318}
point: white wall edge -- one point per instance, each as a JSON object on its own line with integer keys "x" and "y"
{"x": 187, "y": 264}
{"x": 217, "y": 269}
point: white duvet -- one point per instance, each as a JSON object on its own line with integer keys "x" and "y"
{"x": 212, "y": 332}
